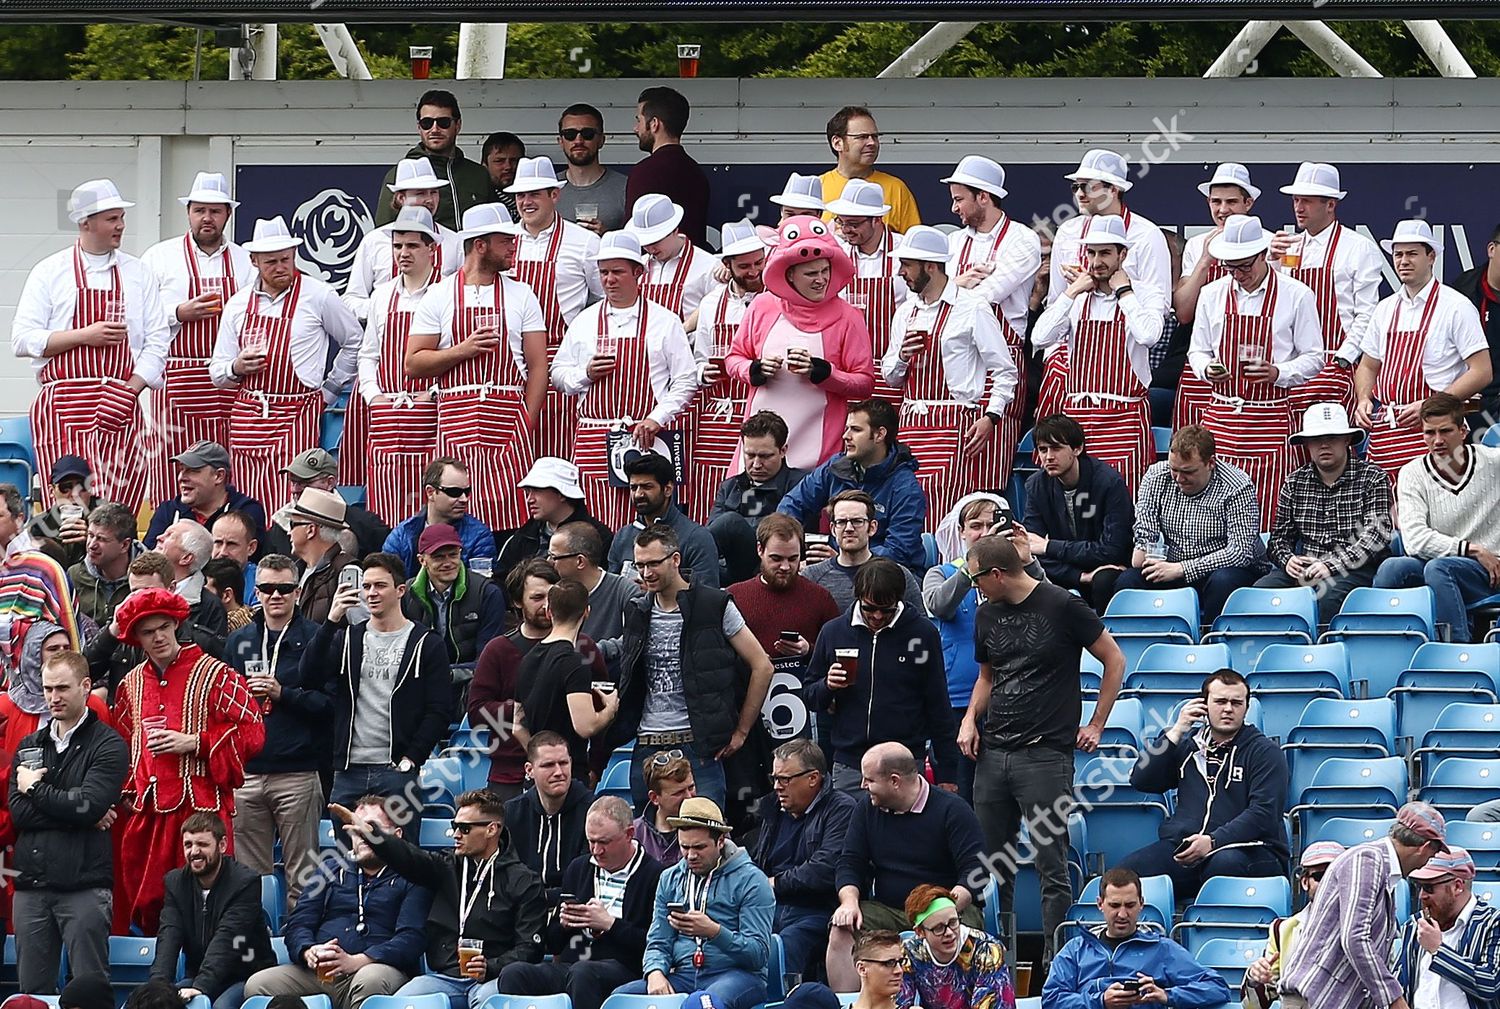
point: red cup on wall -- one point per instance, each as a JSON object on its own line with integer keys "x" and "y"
{"x": 687, "y": 59}
{"x": 421, "y": 62}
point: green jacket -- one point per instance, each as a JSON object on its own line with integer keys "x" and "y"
{"x": 470, "y": 181}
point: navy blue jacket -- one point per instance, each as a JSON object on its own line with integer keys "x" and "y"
{"x": 1103, "y": 511}
{"x": 900, "y": 505}
{"x": 810, "y": 882}
{"x": 625, "y": 940}
{"x": 395, "y": 916}
{"x": 477, "y": 540}
{"x": 171, "y": 510}
{"x": 297, "y": 726}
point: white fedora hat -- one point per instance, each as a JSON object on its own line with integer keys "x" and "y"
{"x": 860, "y": 198}
{"x": 209, "y": 187}
{"x": 1315, "y": 179}
{"x": 1106, "y": 229}
{"x": 980, "y": 173}
{"x": 534, "y": 175}
{"x": 801, "y": 192}
{"x": 1415, "y": 230}
{"x": 95, "y": 197}
{"x": 1241, "y": 238}
{"x": 1324, "y": 419}
{"x": 415, "y": 218}
{"x": 922, "y": 243}
{"x": 415, "y": 173}
{"x": 488, "y": 219}
{"x": 1231, "y": 174}
{"x": 653, "y": 218}
{"x": 740, "y": 237}
{"x": 271, "y": 236}
{"x": 1103, "y": 166}
{"x": 620, "y": 245}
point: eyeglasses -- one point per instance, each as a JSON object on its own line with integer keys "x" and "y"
{"x": 1241, "y": 266}
{"x": 441, "y": 122}
{"x": 462, "y": 827}
{"x": 453, "y": 492}
{"x": 860, "y": 138}
{"x": 650, "y": 565}
{"x": 898, "y": 963}
{"x": 851, "y": 222}
{"x": 871, "y": 610}
{"x": 847, "y": 523}
{"x": 276, "y": 588}
{"x": 587, "y": 133}
{"x": 1315, "y": 875}
{"x": 661, "y": 758}
{"x": 1432, "y": 887}
{"x": 68, "y": 487}
{"x": 562, "y": 557}
{"x": 779, "y": 780}
{"x": 944, "y": 928}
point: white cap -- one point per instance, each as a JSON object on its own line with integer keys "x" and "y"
{"x": 653, "y": 218}
{"x": 1104, "y": 166}
{"x": 488, "y": 219}
{"x": 1412, "y": 231}
{"x": 980, "y": 173}
{"x": 740, "y": 237}
{"x": 860, "y": 198}
{"x": 801, "y": 192}
{"x": 415, "y": 173}
{"x": 415, "y": 218}
{"x": 923, "y": 243}
{"x": 1241, "y": 238}
{"x": 1106, "y": 229}
{"x": 533, "y": 175}
{"x": 95, "y": 197}
{"x": 1230, "y": 174}
{"x": 271, "y": 236}
{"x": 208, "y": 187}
{"x": 1315, "y": 179}
{"x": 1323, "y": 419}
{"x": 552, "y": 473}
{"x": 620, "y": 245}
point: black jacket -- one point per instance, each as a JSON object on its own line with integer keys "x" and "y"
{"x": 224, "y": 942}
{"x": 1103, "y": 512}
{"x": 517, "y": 545}
{"x": 319, "y": 588}
{"x": 810, "y": 883}
{"x": 110, "y": 658}
{"x": 297, "y": 725}
{"x": 171, "y": 510}
{"x": 1467, "y": 284}
{"x": 625, "y": 940}
{"x": 738, "y": 496}
{"x": 509, "y": 914}
{"x": 420, "y": 703}
{"x": 475, "y": 617}
{"x": 368, "y": 529}
{"x": 57, "y": 845}
{"x": 523, "y": 821}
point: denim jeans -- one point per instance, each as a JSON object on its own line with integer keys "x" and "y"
{"x": 1156, "y": 860}
{"x": 462, "y": 992}
{"x": 804, "y": 937}
{"x": 1455, "y": 582}
{"x": 349, "y": 786}
{"x": 731, "y": 989}
{"x": 708, "y": 774}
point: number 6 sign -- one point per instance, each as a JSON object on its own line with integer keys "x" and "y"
{"x": 784, "y": 711}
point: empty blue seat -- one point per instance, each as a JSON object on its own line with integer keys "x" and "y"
{"x": 435, "y": 835}
{"x": 1119, "y": 818}
{"x": 130, "y": 959}
{"x": 470, "y": 738}
{"x": 1350, "y": 787}
{"x": 1137, "y": 618}
{"x": 431, "y": 1001}
{"x": 1461, "y": 783}
{"x": 1349, "y": 831}
{"x": 618, "y": 1001}
{"x": 1167, "y": 674}
{"x": 1090, "y": 675}
{"x": 1286, "y": 677}
{"x": 1383, "y": 628}
{"x": 1481, "y": 840}
{"x": 440, "y": 779}
{"x": 615, "y": 780}
{"x": 1254, "y": 619}
{"x": 1234, "y": 907}
{"x": 1231, "y": 957}
{"x": 1338, "y": 728}
{"x": 1472, "y": 729}
{"x": 1442, "y": 674}
{"x": 273, "y": 900}
{"x": 1124, "y": 731}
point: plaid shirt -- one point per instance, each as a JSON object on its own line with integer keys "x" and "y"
{"x": 1348, "y": 525}
{"x": 1219, "y": 527}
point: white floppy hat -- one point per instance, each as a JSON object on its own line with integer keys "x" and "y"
{"x": 860, "y": 198}
{"x": 551, "y": 473}
{"x": 1103, "y": 166}
{"x": 1315, "y": 179}
{"x": 1323, "y": 419}
{"x": 534, "y": 175}
{"x": 740, "y": 237}
{"x": 488, "y": 219}
{"x": 1106, "y": 229}
{"x": 1415, "y": 230}
{"x": 980, "y": 173}
{"x": 415, "y": 218}
{"x": 620, "y": 245}
{"x": 924, "y": 244}
{"x": 209, "y": 187}
{"x": 801, "y": 192}
{"x": 95, "y": 197}
{"x": 653, "y": 218}
{"x": 415, "y": 173}
{"x": 1231, "y": 174}
{"x": 271, "y": 236}
{"x": 1242, "y": 237}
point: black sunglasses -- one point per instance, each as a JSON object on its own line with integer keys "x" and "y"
{"x": 453, "y": 492}
{"x": 276, "y": 589}
{"x": 464, "y": 826}
{"x": 879, "y": 611}
{"x": 586, "y": 132}
{"x": 428, "y": 122}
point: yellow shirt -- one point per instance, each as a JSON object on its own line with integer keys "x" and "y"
{"x": 903, "y": 216}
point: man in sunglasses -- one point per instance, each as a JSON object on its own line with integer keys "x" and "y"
{"x": 1259, "y": 989}
{"x": 439, "y": 121}
{"x": 317, "y": 528}
{"x": 449, "y": 491}
{"x": 595, "y": 195}
{"x": 1449, "y": 952}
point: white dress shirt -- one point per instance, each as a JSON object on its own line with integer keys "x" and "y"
{"x": 373, "y": 346}
{"x": 1356, "y": 280}
{"x": 735, "y": 302}
{"x": 674, "y": 373}
{"x": 1454, "y": 335}
{"x": 1194, "y": 249}
{"x": 1148, "y": 264}
{"x": 50, "y": 295}
{"x": 1434, "y": 991}
{"x": 700, "y": 278}
{"x": 577, "y": 273}
{"x": 1144, "y": 321}
{"x": 1016, "y": 265}
{"x": 321, "y": 319}
{"x": 523, "y": 313}
{"x": 1296, "y": 334}
{"x": 373, "y": 259}
{"x": 876, "y": 265}
{"x": 973, "y": 347}
{"x": 168, "y": 264}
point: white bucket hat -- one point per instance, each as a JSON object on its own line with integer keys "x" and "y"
{"x": 653, "y": 218}
{"x": 271, "y": 236}
{"x": 1241, "y": 238}
{"x": 551, "y": 473}
{"x": 1323, "y": 419}
{"x": 1412, "y": 231}
{"x": 620, "y": 245}
{"x": 860, "y": 198}
{"x": 980, "y": 173}
{"x": 415, "y": 173}
{"x": 209, "y": 187}
{"x": 801, "y": 192}
{"x": 95, "y": 197}
{"x": 1106, "y": 229}
{"x": 922, "y": 243}
{"x": 534, "y": 175}
{"x": 488, "y": 219}
{"x": 1231, "y": 174}
{"x": 740, "y": 237}
{"x": 415, "y": 218}
{"x": 1315, "y": 179}
{"x": 1103, "y": 166}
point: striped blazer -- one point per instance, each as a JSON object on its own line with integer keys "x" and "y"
{"x": 1474, "y": 965}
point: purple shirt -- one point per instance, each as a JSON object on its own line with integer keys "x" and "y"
{"x": 671, "y": 171}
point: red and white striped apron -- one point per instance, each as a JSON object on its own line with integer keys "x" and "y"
{"x": 1106, "y": 397}
{"x": 559, "y": 412}
{"x": 85, "y": 406}
{"x": 992, "y": 466}
{"x": 876, "y": 298}
{"x": 934, "y": 425}
{"x": 1332, "y": 384}
{"x": 1194, "y": 393}
{"x": 275, "y": 415}
{"x": 481, "y": 416}
{"x": 1251, "y": 421}
{"x": 402, "y": 436}
{"x": 1053, "y": 387}
{"x": 1401, "y": 382}
{"x": 669, "y": 293}
{"x": 714, "y": 423}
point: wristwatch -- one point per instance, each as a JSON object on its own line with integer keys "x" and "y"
{"x": 1120, "y": 292}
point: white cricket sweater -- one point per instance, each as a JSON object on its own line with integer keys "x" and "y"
{"x": 1439, "y": 518}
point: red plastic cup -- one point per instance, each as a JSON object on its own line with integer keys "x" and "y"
{"x": 421, "y": 62}
{"x": 687, "y": 59}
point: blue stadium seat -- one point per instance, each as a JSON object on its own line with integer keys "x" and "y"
{"x": 1481, "y": 840}
{"x": 1137, "y": 618}
{"x": 1472, "y": 729}
{"x": 1234, "y": 907}
{"x": 1168, "y": 674}
{"x": 329, "y": 836}
{"x": 331, "y": 430}
{"x": 1338, "y": 728}
{"x": 353, "y": 494}
{"x": 310, "y": 1001}
{"x": 273, "y": 900}
{"x": 470, "y": 738}
{"x": 1027, "y": 903}
{"x": 1442, "y": 674}
{"x": 930, "y": 550}
{"x": 440, "y": 779}
{"x": 1457, "y": 784}
{"x": 1120, "y": 819}
{"x": 775, "y": 971}
{"x": 1090, "y": 675}
{"x": 1161, "y": 439}
{"x": 618, "y": 1001}
{"x": 432, "y": 1001}
{"x": 1491, "y": 436}
{"x": 18, "y": 473}
{"x": 1254, "y": 618}
{"x": 1352, "y": 787}
{"x": 1124, "y": 733}
{"x": 1286, "y": 677}
{"x": 1383, "y": 628}
{"x": 1349, "y": 831}
{"x": 615, "y": 780}
{"x": 278, "y": 946}
{"x": 130, "y": 959}
{"x": 1231, "y": 957}
{"x": 16, "y": 441}
{"x": 435, "y": 835}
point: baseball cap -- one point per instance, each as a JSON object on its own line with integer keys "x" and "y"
{"x": 1320, "y": 853}
{"x": 204, "y": 453}
{"x": 436, "y": 536}
{"x": 310, "y": 465}
{"x": 1455, "y": 863}
{"x": 1424, "y": 821}
{"x": 69, "y": 465}
{"x": 87, "y": 992}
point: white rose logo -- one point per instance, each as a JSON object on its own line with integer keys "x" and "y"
{"x": 331, "y": 226}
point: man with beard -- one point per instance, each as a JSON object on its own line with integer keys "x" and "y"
{"x": 653, "y": 485}
{"x": 784, "y": 610}
{"x": 877, "y": 289}
{"x": 502, "y": 155}
{"x": 595, "y": 195}
{"x": 203, "y": 493}
{"x": 439, "y": 121}
{"x": 661, "y": 118}
{"x": 747, "y": 497}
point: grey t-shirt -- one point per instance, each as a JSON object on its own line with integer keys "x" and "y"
{"x": 839, "y": 581}
{"x": 606, "y": 619}
{"x": 378, "y": 672}
{"x": 607, "y": 195}
{"x": 666, "y": 704}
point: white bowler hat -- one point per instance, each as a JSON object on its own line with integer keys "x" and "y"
{"x": 1231, "y": 174}
{"x": 551, "y": 473}
{"x": 415, "y": 218}
{"x": 209, "y": 187}
{"x": 415, "y": 173}
{"x": 1324, "y": 419}
{"x": 924, "y": 244}
{"x": 1103, "y": 166}
{"x": 271, "y": 236}
{"x": 1241, "y": 238}
{"x": 860, "y": 198}
{"x": 653, "y": 218}
{"x": 980, "y": 173}
{"x": 1412, "y": 231}
{"x": 801, "y": 192}
{"x": 1106, "y": 229}
{"x": 1315, "y": 179}
{"x": 740, "y": 237}
{"x": 620, "y": 245}
{"x": 94, "y": 197}
{"x": 488, "y": 219}
{"x": 534, "y": 175}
